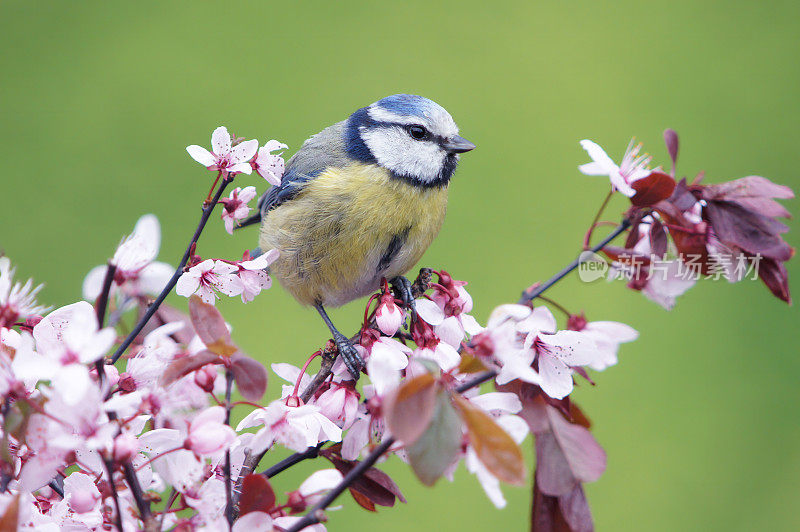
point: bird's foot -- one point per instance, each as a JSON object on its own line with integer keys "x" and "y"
{"x": 402, "y": 290}
{"x": 350, "y": 356}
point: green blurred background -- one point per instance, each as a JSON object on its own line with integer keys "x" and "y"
{"x": 99, "y": 99}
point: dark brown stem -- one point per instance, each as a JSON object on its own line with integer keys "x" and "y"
{"x": 101, "y": 303}
{"x": 178, "y": 272}
{"x": 100, "y": 306}
{"x": 531, "y": 294}
{"x": 227, "y": 467}
{"x": 110, "y": 470}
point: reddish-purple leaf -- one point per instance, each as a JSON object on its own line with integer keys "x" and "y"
{"x": 435, "y": 451}
{"x": 362, "y": 500}
{"x": 257, "y": 495}
{"x": 374, "y": 484}
{"x": 408, "y": 409}
{"x": 775, "y": 276}
{"x": 652, "y": 189}
{"x": 495, "y": 448}
{"x": 568, "y": 513}
{"x": 250, "y": 376}
{"x": 210, "y": 326}
{"x": 681, "y": 197}
{"x": 671, "y": 140}
{"x": 748, "y": 230}
{"x": 185, "y": 365}
{"x": 566, "y": 456}
{"x": 658, "y": 238}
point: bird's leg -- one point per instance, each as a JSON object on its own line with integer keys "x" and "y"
{"x": 402, "y": 289}
{"x": 351, "y": 358}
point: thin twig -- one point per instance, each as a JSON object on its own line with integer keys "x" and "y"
{"x": 110, "y": 469}
{"x": 227, "y": 466}
{"x": 178, "y": 272}
{"x": 531, "y": 294}
{"x": 587, "y": 239}
{"x": 296, "y": 458}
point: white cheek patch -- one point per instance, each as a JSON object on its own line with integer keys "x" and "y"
{"x": 396, "y": 150}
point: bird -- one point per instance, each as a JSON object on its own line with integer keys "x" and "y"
{"x": 360, "y": 202}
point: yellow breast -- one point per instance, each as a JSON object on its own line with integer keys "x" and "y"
{"x": 334, "y": 233}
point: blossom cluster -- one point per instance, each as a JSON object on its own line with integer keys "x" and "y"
{"x": 710, "y": 229}
{"x": 94, "y": 435}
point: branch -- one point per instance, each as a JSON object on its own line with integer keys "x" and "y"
{"x": 151, "y": 310}
{"x": 534, "y": 292}
{"x": 110, "y": 469}
{"x": 317, "y": 513}
{"x": 229, "y": 513}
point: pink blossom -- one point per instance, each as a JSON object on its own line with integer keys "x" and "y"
{"x": 339, "y": 403}
{"x": 17, "y": 301}
{"x": 235, "y": 206}
{"x": 556, "y": 351}
{"x": 632, "y": 168}
{"x": 668, "y": 281}
{"x": 225, "y": 157}
{"x": 82, "y": 493}
{"x": 137, "y": 272}
{"x": 388, "y": 315}
{"x": 296, "y": 427}
{"x": 70, "y": 335}
{"x": 607, "y": 336}
{"x": 523, "y": 336}
{"x": 125, "y": 445}
{"x": 270, "y": 166}
{"x": 317, "y": 484}
{"x": 207, "y": 277}
{"x": 208, "y": 433}
{"x": 253, "y": 274}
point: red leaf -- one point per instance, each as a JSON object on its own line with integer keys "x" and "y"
{"x": 408, "y": 409}
{"x": 250, "y": 376}
{"x": 671, "y": 140}
{"x": 210, "y": 326}
{"x": 183, "y": 366}
{"x": 748, "y": 230}
{"x": 658, "y": 238}
{"x": 362, "y": 500}
{"x": 652, "y": 189}
{"x": 568, "y": 513}
{"x": 566, "y": 456}
{"x": 753, "y": 193}
{"x": 257, "y": 495}
{"x": 775, "y": 276}
{"x": 495, "y": 448}
{"x": 374, "y": 484}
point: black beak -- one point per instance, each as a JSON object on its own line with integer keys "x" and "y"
{"x": 458, "y": 144}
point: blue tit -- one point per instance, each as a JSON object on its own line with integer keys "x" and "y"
{"x": 361, "y": 201}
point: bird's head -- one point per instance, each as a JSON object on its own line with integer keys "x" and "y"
{"x": 413, "y": 137}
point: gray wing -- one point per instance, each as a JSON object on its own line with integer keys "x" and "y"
{"x": 323, "y": 150}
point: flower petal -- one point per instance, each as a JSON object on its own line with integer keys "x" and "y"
{"x": 201, "y": 155}
{"x": 221, "y": 141}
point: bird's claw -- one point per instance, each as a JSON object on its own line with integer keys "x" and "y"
{"x": 350, "y": 356}
{"x": 402, "y": 289}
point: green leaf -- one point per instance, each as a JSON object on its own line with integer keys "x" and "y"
{"x": 437, "y": 448}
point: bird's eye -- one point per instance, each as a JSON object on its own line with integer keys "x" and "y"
{"x": 417, "y": 132}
